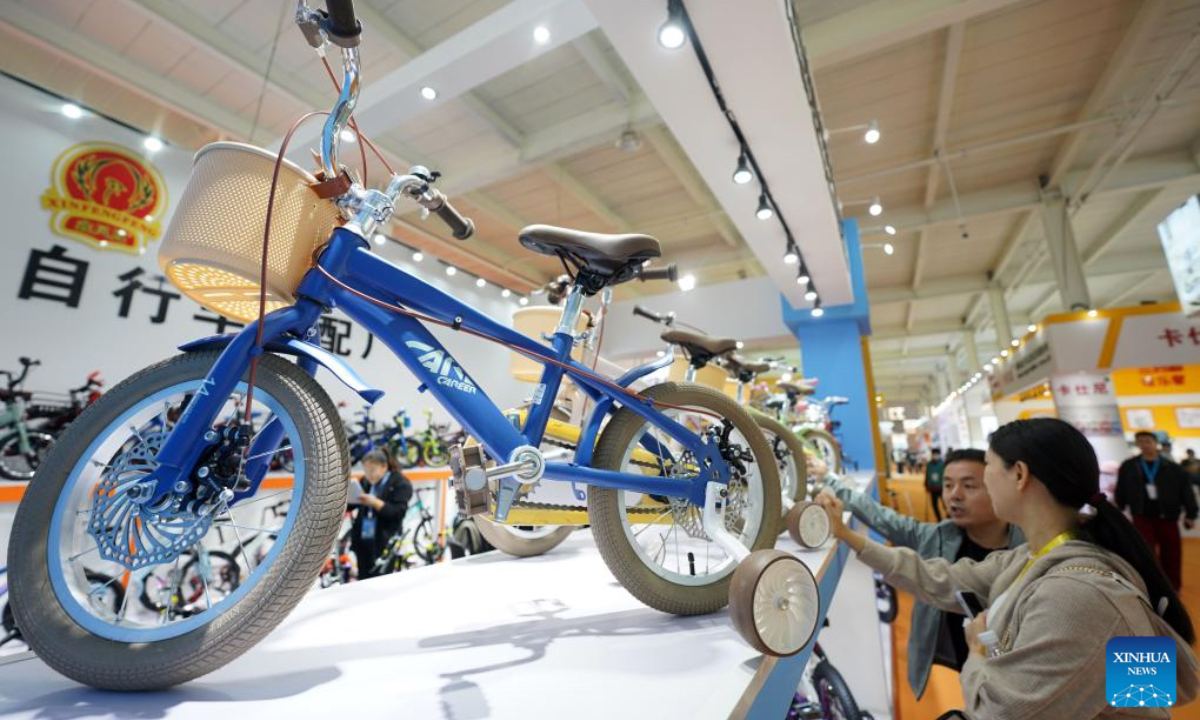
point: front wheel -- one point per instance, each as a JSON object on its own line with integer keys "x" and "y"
{"x": 791, "y": 461}
{"x": 656, "y": 546}
{"x": 826, "y": 448}
{"x": 837, "y": 702}
{"x": 82, "y": 517}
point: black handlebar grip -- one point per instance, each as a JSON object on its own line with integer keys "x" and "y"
{"x": 670, "y": 272}
{"x": 460, "y": 227}
{"x": 648, "y": 314}
{"x": 342, "y": 21}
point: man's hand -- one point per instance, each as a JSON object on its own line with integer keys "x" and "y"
{"x": 1188, "y": 523}
{"x": 371, "y": 501}
{"x": 971, "y": 633}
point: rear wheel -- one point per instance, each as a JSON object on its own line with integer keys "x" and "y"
{"x": 789, "y": 459}
{"x": 837, "y": 702}
{"x": 826, "y": 448}
{"x": 85, "y": 499}
{"x": 523, "y": 541}
{"x": 656, "y": 546}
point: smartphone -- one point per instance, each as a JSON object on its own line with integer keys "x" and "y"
{"x": 969, "y": 602}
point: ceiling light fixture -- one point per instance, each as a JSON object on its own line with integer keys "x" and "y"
{"x": 348, "y": 135}
{"x": 152, "y": 144}
{"x": 803, "y": 277}
{"x": 671, "y": 34}
{"x": 811, "y": 295}
{"x": 480, "y": 282}
{"x": 889, "y": 249}
{"x": 541, "y": 34}
{"x": 451, "y": 270}
{"x": 764, "y": 211}
{"x": 505, "y": 293}
{"x": 742, "y": 174}
{"x": 687, "y": 282}
{"x": 876, "y": 207}
{"x": 1092, "y": 313}
{"x": 428, "y": 93}
{"x": 872, "y": 133}
{"x": 72, "y": 111}
{"x": 791, "y": 257}
{"x": 380, "y": 238}
{"x": 418, "y": 256}
{"x": 818, "y": 311}
{"x": 890, "y": 230}
{"x": 523, "y": 301}
{"x": 1032, "y": 328}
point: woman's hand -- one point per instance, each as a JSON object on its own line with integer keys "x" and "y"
{"x": 817, "y": 468}
{"x": 371, "y": 501}
{"x": 971, "y": 632}
{"x": 834, "y": 508}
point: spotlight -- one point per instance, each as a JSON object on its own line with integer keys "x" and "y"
{"x": 995, "y": 361}
{"x": 480, "y": 282}
{"x": 1032, "y": 328}
{"x": 803, "y": 277}
{"x": 687, "y": 282}
{"x": 742, "y": 174}
{"x": 818, "y": 311}
{"x": 380, "y": 238}
{"x": 1092, "y": 313}
{"x": 889, "y": 249}
{"x": 876, "y": 207}
{"x": 740, "y": 344}
{"x": 786, "y": 377}
{"x": 1003, "y": 353}
{"x": 988, "y": 367}
{"x": 428, "y": 93}
{"x": 523, "y": 301}
{"x": 418, "y": 256}
{"x": 72, "y": 111}
{"x": 790, "y": 257}
{"x": 348, "y": 135}
{"x": 505, "y": 293}
{"x": 1015, "y": 343}
{"x": 872, "y": 133}
{"x": 889, "y": 229}
{"x": 541, "y": 34}
{"x": 152, "y": 143}
{"x": 764, "y": 211}
{"x": 811, "y": 295}
{"x": 451, "y": 270}
{"x": 670, "y": 33}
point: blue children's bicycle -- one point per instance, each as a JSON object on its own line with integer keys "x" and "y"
{"x": 683, "y": 486}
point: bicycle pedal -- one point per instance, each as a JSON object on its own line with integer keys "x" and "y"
{"x": 469, "y": 479}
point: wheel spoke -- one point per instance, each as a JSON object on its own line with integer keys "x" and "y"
{"x": 78, "y": 555}
{"x": 238, "y": 535}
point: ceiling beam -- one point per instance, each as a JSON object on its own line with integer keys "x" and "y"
{"x": 930, "y": 329}
{"x": 480, "y": 52}
{"x": 596, "y": 205}
{"x": 96, "y": 57}
{"x": 954, "y": 47}
{"x": 1167, "y": 169}
{"x": 683, "y": 170}
{"x": 1128, "y": 217}
{"x": 1138, "y": 33}
{"x": 876, "y": 25}
{"x": 590, "y": 47}
{"x": 1131, "y": 290}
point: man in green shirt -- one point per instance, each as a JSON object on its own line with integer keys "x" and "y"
{"x": 933, "y": 481}
{"x": 972, "y": 530}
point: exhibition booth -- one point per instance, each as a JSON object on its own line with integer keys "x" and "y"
{"x": 495, "y": 360}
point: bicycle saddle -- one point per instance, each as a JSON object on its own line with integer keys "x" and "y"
{"x": 795, "y": 388}
{"x": 9, "y": 395}
{"x": 700, "y": 348}
{"x": 744, "y": 368}
{"x": 602, "y": 254}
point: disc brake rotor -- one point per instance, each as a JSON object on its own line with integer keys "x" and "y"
{"x": 128, "y": 532}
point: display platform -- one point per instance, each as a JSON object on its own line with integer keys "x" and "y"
{"x": 486, "y": 637}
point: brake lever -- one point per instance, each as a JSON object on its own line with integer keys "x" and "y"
{"x": 310, "y": 21}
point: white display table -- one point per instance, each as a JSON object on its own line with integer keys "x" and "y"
{"x": 487, "y": 637}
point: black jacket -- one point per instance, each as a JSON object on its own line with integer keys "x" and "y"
{"x": 397, "y": 493}
{"x": 1174, "y": 490}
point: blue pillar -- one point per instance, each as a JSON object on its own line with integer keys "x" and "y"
{"x": 831, "y": 350}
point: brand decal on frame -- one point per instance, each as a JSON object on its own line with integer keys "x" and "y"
{"x": 441, "y": 365}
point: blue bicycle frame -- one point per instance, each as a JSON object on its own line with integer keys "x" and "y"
{"x": 348, "y": 258}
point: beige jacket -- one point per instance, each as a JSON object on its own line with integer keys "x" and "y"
{"x": 1053, "y": 623}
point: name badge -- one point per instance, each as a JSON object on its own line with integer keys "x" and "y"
{"x": 368, "y": 527}
{"x": 1152, "y": 492}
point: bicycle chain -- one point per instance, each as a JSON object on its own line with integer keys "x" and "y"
{"x": 657, "y": 510}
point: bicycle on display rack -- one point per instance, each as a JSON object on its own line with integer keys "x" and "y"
{"x": 423, "y": 537}
{"x": 701, "y": 350}
{"x": 125, "y": 491}
{"x": 823, "y": 693}
{"x": 809, "y": 418}
{"x": 22, "y": 448}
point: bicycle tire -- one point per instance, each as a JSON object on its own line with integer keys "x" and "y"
{"x": 837, "y": 702}
{"x": 812, "y": 437}
{"x": 425, "y": 541}
{"x": 128, "y": 666}
{"x": 773, "y": 428}
{"x": 43, "y": 441}
{"x": 513, "y": 544}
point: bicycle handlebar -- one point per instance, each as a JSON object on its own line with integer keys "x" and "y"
{"x": 649, "y": 314}
{"x": 669, "y": 272}
{"x": 342, "y": 22}
{"x": 437, "y": 203}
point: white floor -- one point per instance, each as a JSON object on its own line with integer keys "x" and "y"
{"x": 488, "y": 637}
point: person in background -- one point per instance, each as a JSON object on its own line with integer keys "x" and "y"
{"x": 933, "y": 481}
{"x": 972, "y": 530}
{"x": 1156, "y": 491}
{"x": 1038, "y": 649}
{"x": 1191, "y": 466}
{"x": 1167, "y": 450}
{"x": 381, "y": 508}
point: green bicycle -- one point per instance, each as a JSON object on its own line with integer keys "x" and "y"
{"x": 22, "y": 448}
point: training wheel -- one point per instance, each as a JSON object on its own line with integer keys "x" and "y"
{"x": 774, "y": 602}
{"x": 808, "y": 524}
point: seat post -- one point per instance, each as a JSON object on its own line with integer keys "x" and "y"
{"x": 741, "y": 392}
{"x": 572, "y": 306}
{"x": 690, "y": 375}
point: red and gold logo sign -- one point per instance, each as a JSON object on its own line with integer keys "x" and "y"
{"x": 106, "y": 196}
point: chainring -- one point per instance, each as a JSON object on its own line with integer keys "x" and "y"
{"x": 126, "y": 531}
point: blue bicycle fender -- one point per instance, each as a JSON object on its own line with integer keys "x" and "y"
{"x": 334, "y": 364}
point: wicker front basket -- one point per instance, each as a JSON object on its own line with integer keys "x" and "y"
{"x": 212, "y": 250}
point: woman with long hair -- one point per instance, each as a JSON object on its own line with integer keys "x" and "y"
{"x": 1052, "y": 605}
{"x": 381, "y": 508}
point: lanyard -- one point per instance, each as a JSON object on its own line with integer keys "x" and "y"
{"x": 1059, "y": 539}
{"x": 1150, "y": 470}
{"x": 377, "y": 490}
